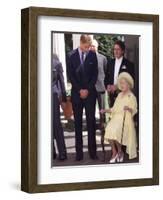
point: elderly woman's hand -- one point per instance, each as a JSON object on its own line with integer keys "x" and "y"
{"x": 126, "y": 108}
{"x": 102, "y": 111}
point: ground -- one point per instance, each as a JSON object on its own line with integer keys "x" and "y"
{"x": 68, "y": 126}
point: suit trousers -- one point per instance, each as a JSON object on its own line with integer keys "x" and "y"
{"x": 78, "y": 106}
{"x": 101, "y": 104}
{"x": 112, "y": 97}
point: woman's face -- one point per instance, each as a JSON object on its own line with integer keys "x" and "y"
{"x": 124, "y": 85}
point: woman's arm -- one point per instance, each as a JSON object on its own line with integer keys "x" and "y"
{"x": 102, "y": 111}
{"x": 127, "y": 108}
{"x": 132, "y": 106}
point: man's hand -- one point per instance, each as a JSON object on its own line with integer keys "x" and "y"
{"x": 111, "y": 88}
{"x": 83, "y": 93}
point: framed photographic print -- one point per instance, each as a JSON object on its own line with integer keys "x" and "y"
{"x": 90, "y": 99}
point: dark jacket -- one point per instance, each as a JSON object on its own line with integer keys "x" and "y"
{"x": 126, "y": 66}
{"x": 82, "y": 77}
{"x": 58, "y": 85}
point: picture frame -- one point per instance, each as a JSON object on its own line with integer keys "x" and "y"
{"x": 29, "y": 108}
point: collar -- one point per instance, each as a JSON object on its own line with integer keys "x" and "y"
{"x": 80, "y": 51}
{"x": 119, "y": 59}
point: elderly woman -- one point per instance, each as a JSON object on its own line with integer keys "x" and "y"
{"x": 120, "y": 130}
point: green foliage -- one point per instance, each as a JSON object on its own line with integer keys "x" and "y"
{"x": 106, "y": 43}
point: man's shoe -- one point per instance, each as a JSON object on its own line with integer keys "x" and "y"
{"x": 62, "y": 157}
{"x": 79, "y": 158}
{"x": 54, "y": 156}
{"x": 94, "y": 157}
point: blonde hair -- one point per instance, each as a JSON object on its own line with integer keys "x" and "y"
{"x": 95, "y": 43}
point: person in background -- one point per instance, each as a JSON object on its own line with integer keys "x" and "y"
{"x": 115, "y": 67}
{"x": 120, "y": 130}
{"x": 82, "y": 72}
{"x": 100, "y": 86}
{"x": 59, "y": 96}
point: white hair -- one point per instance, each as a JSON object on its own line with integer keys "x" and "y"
{"x": 95, "y": 43}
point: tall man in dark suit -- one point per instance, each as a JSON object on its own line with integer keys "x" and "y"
{"x": 82, "y": 72}
{"x": 115, "y": 67}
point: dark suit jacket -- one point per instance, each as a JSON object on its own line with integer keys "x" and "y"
{"x": 82, "y": 77}
{"x": 126, "y": 66}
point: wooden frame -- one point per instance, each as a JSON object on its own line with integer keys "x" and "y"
{"x": 29, "y": 99}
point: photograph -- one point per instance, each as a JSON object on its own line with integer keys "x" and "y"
{"x": 95, "y": 94}
{"x": 90, "y": 99}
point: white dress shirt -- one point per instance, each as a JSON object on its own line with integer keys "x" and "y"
{"x": 118, "y": 62}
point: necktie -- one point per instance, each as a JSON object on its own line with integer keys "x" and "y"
{"x": 82, "y": 58}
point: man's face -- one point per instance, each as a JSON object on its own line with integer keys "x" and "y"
{"x": 118, "y": 52}
{"x": 93, "y": 48}
{"x": 84, "y": 46}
